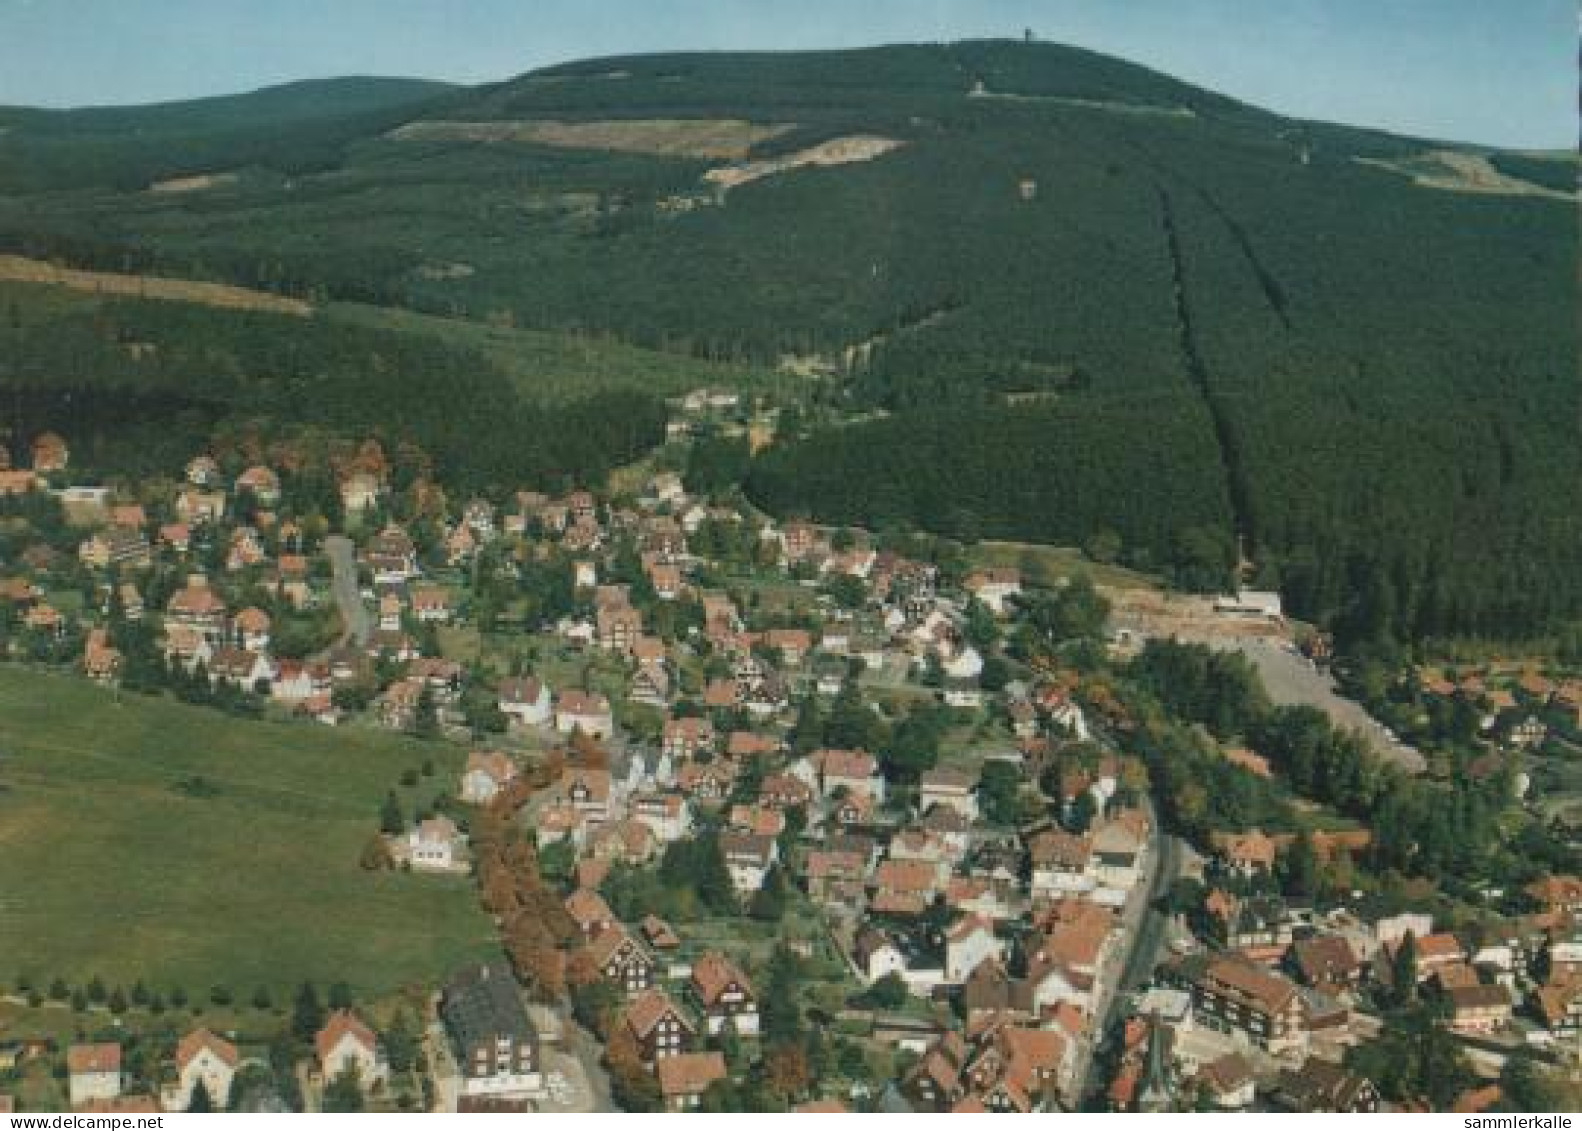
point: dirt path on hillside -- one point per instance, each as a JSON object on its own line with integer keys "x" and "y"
{"x": 17, "y": 269}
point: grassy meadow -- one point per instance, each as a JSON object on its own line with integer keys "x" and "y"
{"x": 551, "y": 367}
{"x": 144, "y": 839}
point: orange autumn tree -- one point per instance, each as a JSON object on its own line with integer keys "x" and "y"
{"x": 786, "y": 1071}
{"x": 631, "y": 1080}
{"x": 536, "y": 929}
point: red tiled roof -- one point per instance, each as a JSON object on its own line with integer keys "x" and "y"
{"x": 648, "y": 1009}
{"x": 689, "y": 1074}
{"x": 713, "y": 974}
{"x": 587, "y": 907}
{"x": 342, "y": 1023}
{"x": 198, "y": 1040}
{"x": 104, "y": 1057}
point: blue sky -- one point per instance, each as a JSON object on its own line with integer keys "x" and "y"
{"x": 1492, "y": 71}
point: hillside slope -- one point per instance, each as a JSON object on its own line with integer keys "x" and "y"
{"x": 295, "y": 127}
{"x": 1092, "y": 300}
{"x": 225, "y": 852}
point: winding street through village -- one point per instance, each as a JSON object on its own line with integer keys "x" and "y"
{"x": 356, "y": 624}
{"x": 1143, "y": 929}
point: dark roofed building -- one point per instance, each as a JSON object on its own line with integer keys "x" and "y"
{"x": 494, "y": 1040}
{"x": 1325, "y": 960}
{"x": 1320, "y": 1086}
{"x": 1238, "y": 996}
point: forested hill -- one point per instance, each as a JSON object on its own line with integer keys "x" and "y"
{"x": 1073, "y": 298}
{"x": 283, "y": 105}
{"x": 296, "y": 127}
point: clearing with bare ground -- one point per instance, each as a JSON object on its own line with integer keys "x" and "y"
{"x": 713, "y": 139}
{"x": 199, "y": 183}
{"x": 1452, "y": 171}
{"x": 16, "y": 269}
{"x": 1289, "y": 677}
{"x": 839, "y": 151}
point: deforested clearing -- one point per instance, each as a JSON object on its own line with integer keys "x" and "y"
{"x": 199, "y": 183}
{"x": 714, "y": 139}
{"x": 839, "y": 151}
{"x": 17, "y": 269}
{"x": 1452, "y": 171}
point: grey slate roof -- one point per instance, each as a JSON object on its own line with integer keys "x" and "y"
{"x": 481, "y": 1004}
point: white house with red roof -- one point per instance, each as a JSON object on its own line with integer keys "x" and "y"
{"x": 93, "y": 1072}
{"x": 347, "y": 1044}
{"x": 202, "y": 1057}
{"x": 525, "y": 701}
{"x": 586, "y": 711}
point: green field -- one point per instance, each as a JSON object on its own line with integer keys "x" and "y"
{"x": 1051, "y": 565}
{"x": 108, "y": 867}
{"x": 550, "y": 367}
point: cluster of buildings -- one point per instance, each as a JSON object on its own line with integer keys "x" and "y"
{"x": 675, "y": 1001}
{"x": 1259, "y": 1004}
{"x": 211, "y": 567}
{"x": 1014, "y": 926}
{"x": 490, "y": 1056}
{"x": 1515, "y": 708}
{"x": 1021, "y": 924}
{"x": 99, "y": 1080}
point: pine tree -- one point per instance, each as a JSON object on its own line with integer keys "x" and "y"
{"x": 401, "y": 1042}
{"x": 713, "y": 879}
{"x": 391, "y": 820}
{"x": 807, "y": 733}
{"x": 1083, "y": 809}
{"x": 425, "y": 722}
{"x": 782, "y": 1015}
{"x": 345, "y": 1093}
{"x": 200, "y": 1100}
{"x": 1403, "y": 969}
{"x": 1299, "y": 866}
{"x": 307, "y": 1015}
{"x": 769, "y": 902}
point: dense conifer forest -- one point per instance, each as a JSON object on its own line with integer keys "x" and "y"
{"x": 149, "y": 382}
{"x": 1078, "y": 299}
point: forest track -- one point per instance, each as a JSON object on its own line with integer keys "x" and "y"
{"x": 1197, "y": 372}
{"x": 1273, "y": 292}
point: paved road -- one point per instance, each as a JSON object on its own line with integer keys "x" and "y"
{"x": 310, "y": 1090}
{"x": 1142, "y": 928}
{"x": 356, "y": 622}
{"x": 443, "y": 1072}
{"x": 595, "y": 1084}
{"x": 1150, "y": 936}
{"x": 1292, "y": 680}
